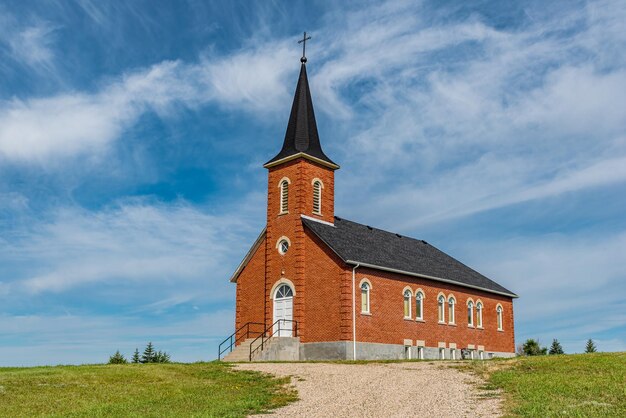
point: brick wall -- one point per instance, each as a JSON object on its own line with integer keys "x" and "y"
{"x": 386, "y": 324}
{"x": 323, "y": 302}
{"x": 250, "y": 298}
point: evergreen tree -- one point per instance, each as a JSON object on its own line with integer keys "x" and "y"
{"x": 532, "y": 348}
{"x": 556, "y": 348}
{"x": 162, "y": 357}
{"x": 117, "y": 358}
{"x": 148, "y": 354}
{"x": 590, "y": 347}
{"x": 136, "y": 357}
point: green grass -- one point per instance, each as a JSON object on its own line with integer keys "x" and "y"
{"x": 147, "y": 390}
{"x": 581, "y": 385}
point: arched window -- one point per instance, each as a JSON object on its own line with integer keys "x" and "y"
{"x": 419, "y": 305}
{"x": 283, "y": 291}
{"x": 317, "y": 197}
{"x": 284, "y": 196}
{"x": 407, "y": 303}
{"x": 470, "y": 313}
{"x": 365, "y": 298}
{"x": 451, "y": 303}
{"x": 499, "y": 316}
{"x": 479, "y": 314}
{"x": 441, "y": 301}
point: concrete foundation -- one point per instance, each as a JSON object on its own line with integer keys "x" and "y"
{"x": 280, "y": 349}
{"x": 290, "y": 349}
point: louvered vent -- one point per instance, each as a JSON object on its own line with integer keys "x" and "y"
{"x": 284, "y": 197}
{"x": 317, "y": 197}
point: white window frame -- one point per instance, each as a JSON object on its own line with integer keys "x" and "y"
{"x": 479, "y": 313}
{"x": 499, "y": 317}
{"x": 407, "y": 352}
{"x": 441, "y": 309}
{"x": 407, "y": 295}
{"x": 419, "y": 307}
{"x": 470, "y": 313}
{"x": 368, "y": 285}
{"x": 451, "y": 310}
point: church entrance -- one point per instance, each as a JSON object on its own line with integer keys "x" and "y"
{"x": 283, "y": 311}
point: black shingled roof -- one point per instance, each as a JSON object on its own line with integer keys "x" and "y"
{"x": 301, "y": 135}
{"x": 363, "y": 244}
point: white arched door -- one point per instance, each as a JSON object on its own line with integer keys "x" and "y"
{"x": 283, "y": 311}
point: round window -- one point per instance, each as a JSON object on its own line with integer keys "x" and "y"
{"x": 283, "y": 246}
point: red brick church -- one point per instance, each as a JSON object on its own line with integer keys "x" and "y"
{"x": 316, "y": 286}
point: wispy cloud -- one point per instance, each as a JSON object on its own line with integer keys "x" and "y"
{"x": 130, "y": 244}
{"x": 32, "y": 45}
{"x": 571, "y": 287}
{"x": 77, "y": 123}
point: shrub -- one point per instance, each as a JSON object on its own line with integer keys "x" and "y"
{"x": 532, "y": 348}
{"x": 161, "y": 357}
{"x": 556, "y": 348}
{"x": 117, "y": 358}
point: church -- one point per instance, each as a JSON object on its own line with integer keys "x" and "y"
{"x": 315, "y": 286}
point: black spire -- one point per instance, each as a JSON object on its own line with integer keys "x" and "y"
{"x": 301, "y": 138}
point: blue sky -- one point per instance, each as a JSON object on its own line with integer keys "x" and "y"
{"x": 132, "y": 138}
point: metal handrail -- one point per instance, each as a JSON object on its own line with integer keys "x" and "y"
{"x": 233, "y": 340}
{"x": 263, "y": 337}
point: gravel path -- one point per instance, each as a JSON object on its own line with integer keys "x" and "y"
{"x": 381, "y": 390}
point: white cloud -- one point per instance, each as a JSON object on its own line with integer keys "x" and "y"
{"x": 76, "y": 123}
{"x": 571, "y": 287}
{"x": 32, "y": 45}
{"x": 176, "y": 245}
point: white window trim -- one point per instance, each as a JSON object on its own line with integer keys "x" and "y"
{"x": 283, "y": 238}
{"x": 369, "y": 291}
{"x": 407, "y": 289}
{"x": 420, "y": 317}
{"x": 451, "y": 312}
{"x": 282, "y": 281}
{"x": 441, "y": 314}
{"x": 479, "y": 325}
{"x": 500, "y": 317}
{"x": 470, "y": 322}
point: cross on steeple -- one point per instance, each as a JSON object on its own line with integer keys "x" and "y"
{"x": 303, "y": 42}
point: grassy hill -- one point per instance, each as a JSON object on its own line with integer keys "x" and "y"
{"x": 581, "y": 385}
{"x": 151, "y": 390}
{"x": 568, "y": 385}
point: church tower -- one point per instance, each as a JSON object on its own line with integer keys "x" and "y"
{"x": 300, "y": 184}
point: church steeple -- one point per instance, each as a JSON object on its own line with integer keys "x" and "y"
{"x": 301, "y": 138}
